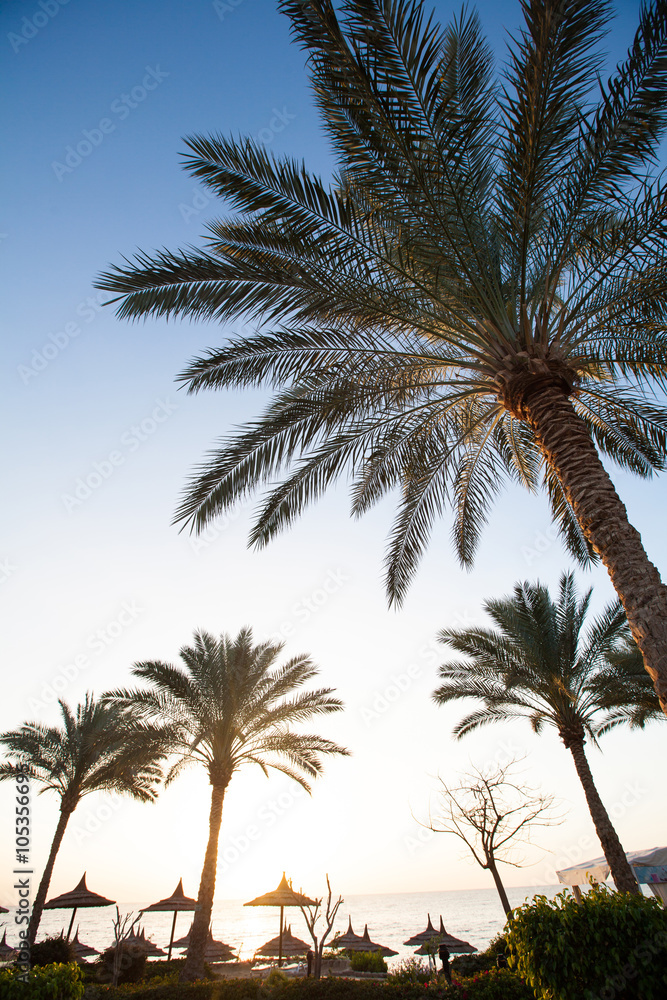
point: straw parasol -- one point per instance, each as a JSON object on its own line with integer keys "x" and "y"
{"x": 454, "y": 945}
{"x": 291, "y": 946}
{"x": 283, "y": 896}
{"x": 6, "y": 950}
{"x": 177, "y": 903}
{"x": 423, "y": 936}
{"x": 3, "y": 909}
{"x": 347, "y": 939}
{"x": 82, "y": 950}
{"x": 215, "y": 951}
{"x": 80, "y": 896}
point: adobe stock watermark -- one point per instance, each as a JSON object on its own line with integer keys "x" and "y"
{"x": 95, "y": 644}
{"x": 7, "y": 570}
{"x": 216, "y": 529}
{"x": 121, "y": 108}
{"x": 23, "y": 837}
{"x": 104, "y": 468}
{"x": 42, "y": 14}
{"x": 201, "y": 197}
{"x": 93, "y": 820}
{"x": 267, "y": 817}
{"x": 86, "y": 311}
{"x": 311, "y": 604}
{"x": 506, "y": 751}
{"x": 224, "y": 7}
{"x": 542, "y": 542}
{"x": 399, "y": 683}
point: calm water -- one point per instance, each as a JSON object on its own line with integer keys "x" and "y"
{"x": 474, "y": 915}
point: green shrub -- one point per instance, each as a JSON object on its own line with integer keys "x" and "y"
{"x": 132, "y": 965}
{"x": 482, "y": 961}
{"x": 611, "y": 946}
{"x": 52, "y": 951}
{"x": 410, "y": 970}
{"x": 48, "y": 982}
{"x": 367, "y": 961}
{"x": 498, "y": 984}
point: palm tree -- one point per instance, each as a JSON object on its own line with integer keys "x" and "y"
{"x": 539, "y": 664}
{"x": 231, "y": 706}
{"x": 478, "y": 296}
{"x": 98, "y": 748}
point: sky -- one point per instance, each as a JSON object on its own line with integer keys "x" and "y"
{"x": 99, "y": 442}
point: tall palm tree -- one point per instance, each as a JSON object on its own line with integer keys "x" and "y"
{"x": 231, "y": 705}
{"x": 98, "y": 748}
{"x": 479, "y": 295}
{"x": 540, "y": 664}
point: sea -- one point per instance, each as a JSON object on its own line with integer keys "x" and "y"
{"x": 474, "y": 915}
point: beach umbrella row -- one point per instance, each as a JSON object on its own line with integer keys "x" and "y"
{"x": 79, "y": 897}
{"x": 288, "y": 946}
{"x": 176, "y": 903}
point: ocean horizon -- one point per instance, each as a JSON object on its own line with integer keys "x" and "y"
{"x": 474, "y": 915}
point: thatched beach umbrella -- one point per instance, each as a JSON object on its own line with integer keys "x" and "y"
{"x": 79, "y": 897}
{"x": 3, "y": 909}
{"x": 216, "y": 951}
{"x": 454, "y": 945}
{"x": 6, "y": 950}
{"x": 291, "y": 946}
{"x": 348, "y": 939}
{"x": 354, "y": 942}
{"x": 175, "y": 903}
{"x": 423, "y": 936}
{"x": 82, "y": 950}
{"x": 283, "y": 896}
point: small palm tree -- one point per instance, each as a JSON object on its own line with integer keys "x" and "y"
{"x": 478, "y": 295}
{"x": 231, "y": 706}
{"x": 99, "y": 747}
{"x": 539, "y": 664}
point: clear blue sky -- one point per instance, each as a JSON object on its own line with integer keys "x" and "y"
{"x": 96, "y": 572}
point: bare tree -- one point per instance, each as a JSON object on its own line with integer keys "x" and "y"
{"x": 312, "y": 914}
{"x": 491, "y": 812}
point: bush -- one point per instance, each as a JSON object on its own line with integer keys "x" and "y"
{"x": 499, "y": 984}
{"x": 52, "y": 951}
{"x": 410, "y": 970}
{"x": 612, "y": 945}
{"x": 367, "y": 961}
{"x": 48, "y": 982}
{"x": 132, "y": 966}
{"x": 483, "y": 961}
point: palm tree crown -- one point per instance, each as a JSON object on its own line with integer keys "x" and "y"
{"x": 478, "y": 296}
{"x": 100, "y": 747}
{"x": 231, "y": 705}
{"x": 541, "y": 663}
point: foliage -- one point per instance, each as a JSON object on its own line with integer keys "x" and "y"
{"x": 131, "y": 965}
{"x": 409, "y": 970}
{"x": 367, "y": 961}
{"x": 48, "y": 982}
{"x": 482, "y": 961}
{"x": 543, "y": 661}
{"x": 232, "y": 705}
{"x": 611, "y": 945}
{"x": 52, "y": 950}
{"x": 494, "y": 985}
{"x": 482, "y": 243}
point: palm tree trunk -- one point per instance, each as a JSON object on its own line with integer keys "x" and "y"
{"x": 194, "y": 962}
{"x": 569, "y": 449}
{"x": 40, "y": 898}
{"x": 491, "y": 865}
{"x": 613, "y": 850}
